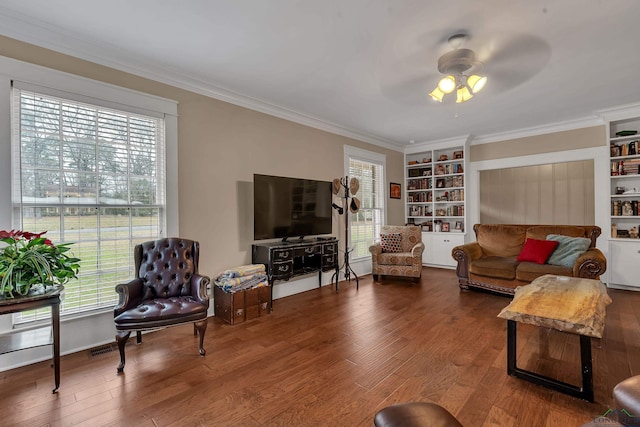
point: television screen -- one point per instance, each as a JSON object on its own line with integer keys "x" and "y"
{"x": 290, "y": 207}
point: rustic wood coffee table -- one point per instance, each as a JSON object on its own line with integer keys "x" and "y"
{"x": 566, "y": 304}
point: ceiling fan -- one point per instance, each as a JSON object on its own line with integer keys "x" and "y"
{"x": 461, "y": 70}
{"x": 507, "y": 59}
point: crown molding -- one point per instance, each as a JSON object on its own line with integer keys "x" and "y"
{"x": 620, "y": 113}
{"x": 54, "y": 38}
{"x": 439, "y": 143}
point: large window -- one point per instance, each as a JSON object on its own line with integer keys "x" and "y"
{"x": 90, "y": 175}
{"x": 364, "y": 226}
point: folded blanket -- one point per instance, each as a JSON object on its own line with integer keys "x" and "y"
{"x": 234, "y": 284}
{"x": 243, "y": 270}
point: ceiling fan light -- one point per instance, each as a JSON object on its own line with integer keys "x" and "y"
{"x": 447, "y": 84}
{"x": 476, "y": 83}
{"x": 437, "y": 94}
{"x": 463, "y": 95}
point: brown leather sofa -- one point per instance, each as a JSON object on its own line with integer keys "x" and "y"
{"x": 490, "y": 263}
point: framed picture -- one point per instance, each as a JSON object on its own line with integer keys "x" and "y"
{"x": 458, "y": 226}
{"x": 445, "y": 226}
{"x": 457, "y": 154}
{"x": 395, "y": 191}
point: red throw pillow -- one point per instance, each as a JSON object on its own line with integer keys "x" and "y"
{"x": 537, "y": 251}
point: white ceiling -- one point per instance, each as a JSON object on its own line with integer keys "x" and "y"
{"x": 361, "y": 68}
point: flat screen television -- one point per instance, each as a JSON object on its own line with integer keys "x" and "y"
{"x": 290, "y": 207}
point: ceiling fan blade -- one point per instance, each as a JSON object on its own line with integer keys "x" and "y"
{"x": 511, "y": 60}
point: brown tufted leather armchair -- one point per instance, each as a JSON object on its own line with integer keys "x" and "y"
{"x": 167, "y": 291}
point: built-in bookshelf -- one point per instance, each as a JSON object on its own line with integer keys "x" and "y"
{"x": 435, "y": 189}
{"x": 625, "y": 178}
{"x": 435, "y": 200}
{"x": 623, "y": 258}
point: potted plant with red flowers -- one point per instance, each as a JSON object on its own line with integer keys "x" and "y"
{"x": 29, "y": 259}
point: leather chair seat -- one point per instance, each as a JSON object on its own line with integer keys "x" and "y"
{"x": 529, "y": 271}
{"x": 415, "y": 414}
{"x": 162, "y": 309}
{"x": 494, "y": 266}
{"x": 626, "y": 395}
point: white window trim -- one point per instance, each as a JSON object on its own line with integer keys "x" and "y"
{"x": 84, "y": 90}
{"x": 351, "y": 152}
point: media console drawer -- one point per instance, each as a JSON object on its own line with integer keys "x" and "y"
{"x": 284, "y": 260}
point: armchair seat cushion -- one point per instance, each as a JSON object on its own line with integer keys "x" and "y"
{"x": 495, "y": 266}
{"x": 164, "y": 309}
{"x": 398, "y": 258}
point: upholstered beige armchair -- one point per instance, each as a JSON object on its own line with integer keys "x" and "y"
{"x": 399, "y": 252}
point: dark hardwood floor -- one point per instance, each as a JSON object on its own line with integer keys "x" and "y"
{"x": 323, "y": 358}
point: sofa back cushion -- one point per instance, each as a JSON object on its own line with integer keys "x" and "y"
{"x": 540, "y": 232}
{"x": 501, "y": 240}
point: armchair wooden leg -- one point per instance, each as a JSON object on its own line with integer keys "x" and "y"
{"x": 138, "y": 337}
{"x": 202, "y": 327}
{"x": 121, "y": 339}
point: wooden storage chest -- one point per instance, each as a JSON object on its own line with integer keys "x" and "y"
{"x": 236, "y": 307}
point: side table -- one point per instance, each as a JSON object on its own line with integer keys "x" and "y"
{"x": 35, "y": 338}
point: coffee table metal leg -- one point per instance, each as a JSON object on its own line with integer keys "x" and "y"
{"x": 587, "y": 368}
{"x": 585, "y": 392}
{"x": 511, "y": 347}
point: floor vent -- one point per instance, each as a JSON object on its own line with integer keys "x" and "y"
{"x": 103, "y": 349}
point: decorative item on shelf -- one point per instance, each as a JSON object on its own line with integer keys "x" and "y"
{"x": 633, "y": 232}
{"x": 412, "y": 162}
{"x": 623, "y": 233}
{"x": 620, "y": 190}
{"x": 445, "y": 227}
{"x": 626, "y": 132}
{"x": 627, "y": 208}
{"x": 443, "y": 158}
{"x": 615, "y": 150}
{"x": 426, "y": 160}
{"x": 458, "y": 154}
{"x": 614, "y": 231}
{"x": 616, "y": 209}
{"x": 30, "y": 263}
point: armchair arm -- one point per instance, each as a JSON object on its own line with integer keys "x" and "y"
{"x": 129, "y": 296}
{"x": 375, "y": 249}
{"x": 417, "y": 250}
{"x": 464, "y": 254}
{"x": 199, "y": 288}
{"x": 590, "y": 265}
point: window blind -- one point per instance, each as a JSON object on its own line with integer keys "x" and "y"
{"x": 93, "y": 176}
{"x": 365, "y": 225}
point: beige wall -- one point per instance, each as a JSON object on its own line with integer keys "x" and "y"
{"x": 558, "y": 193}
{"x": 220, "y": 147}
{"x": 548, "y": 143}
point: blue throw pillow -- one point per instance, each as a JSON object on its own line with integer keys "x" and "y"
{"x": 568, "y": 250}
